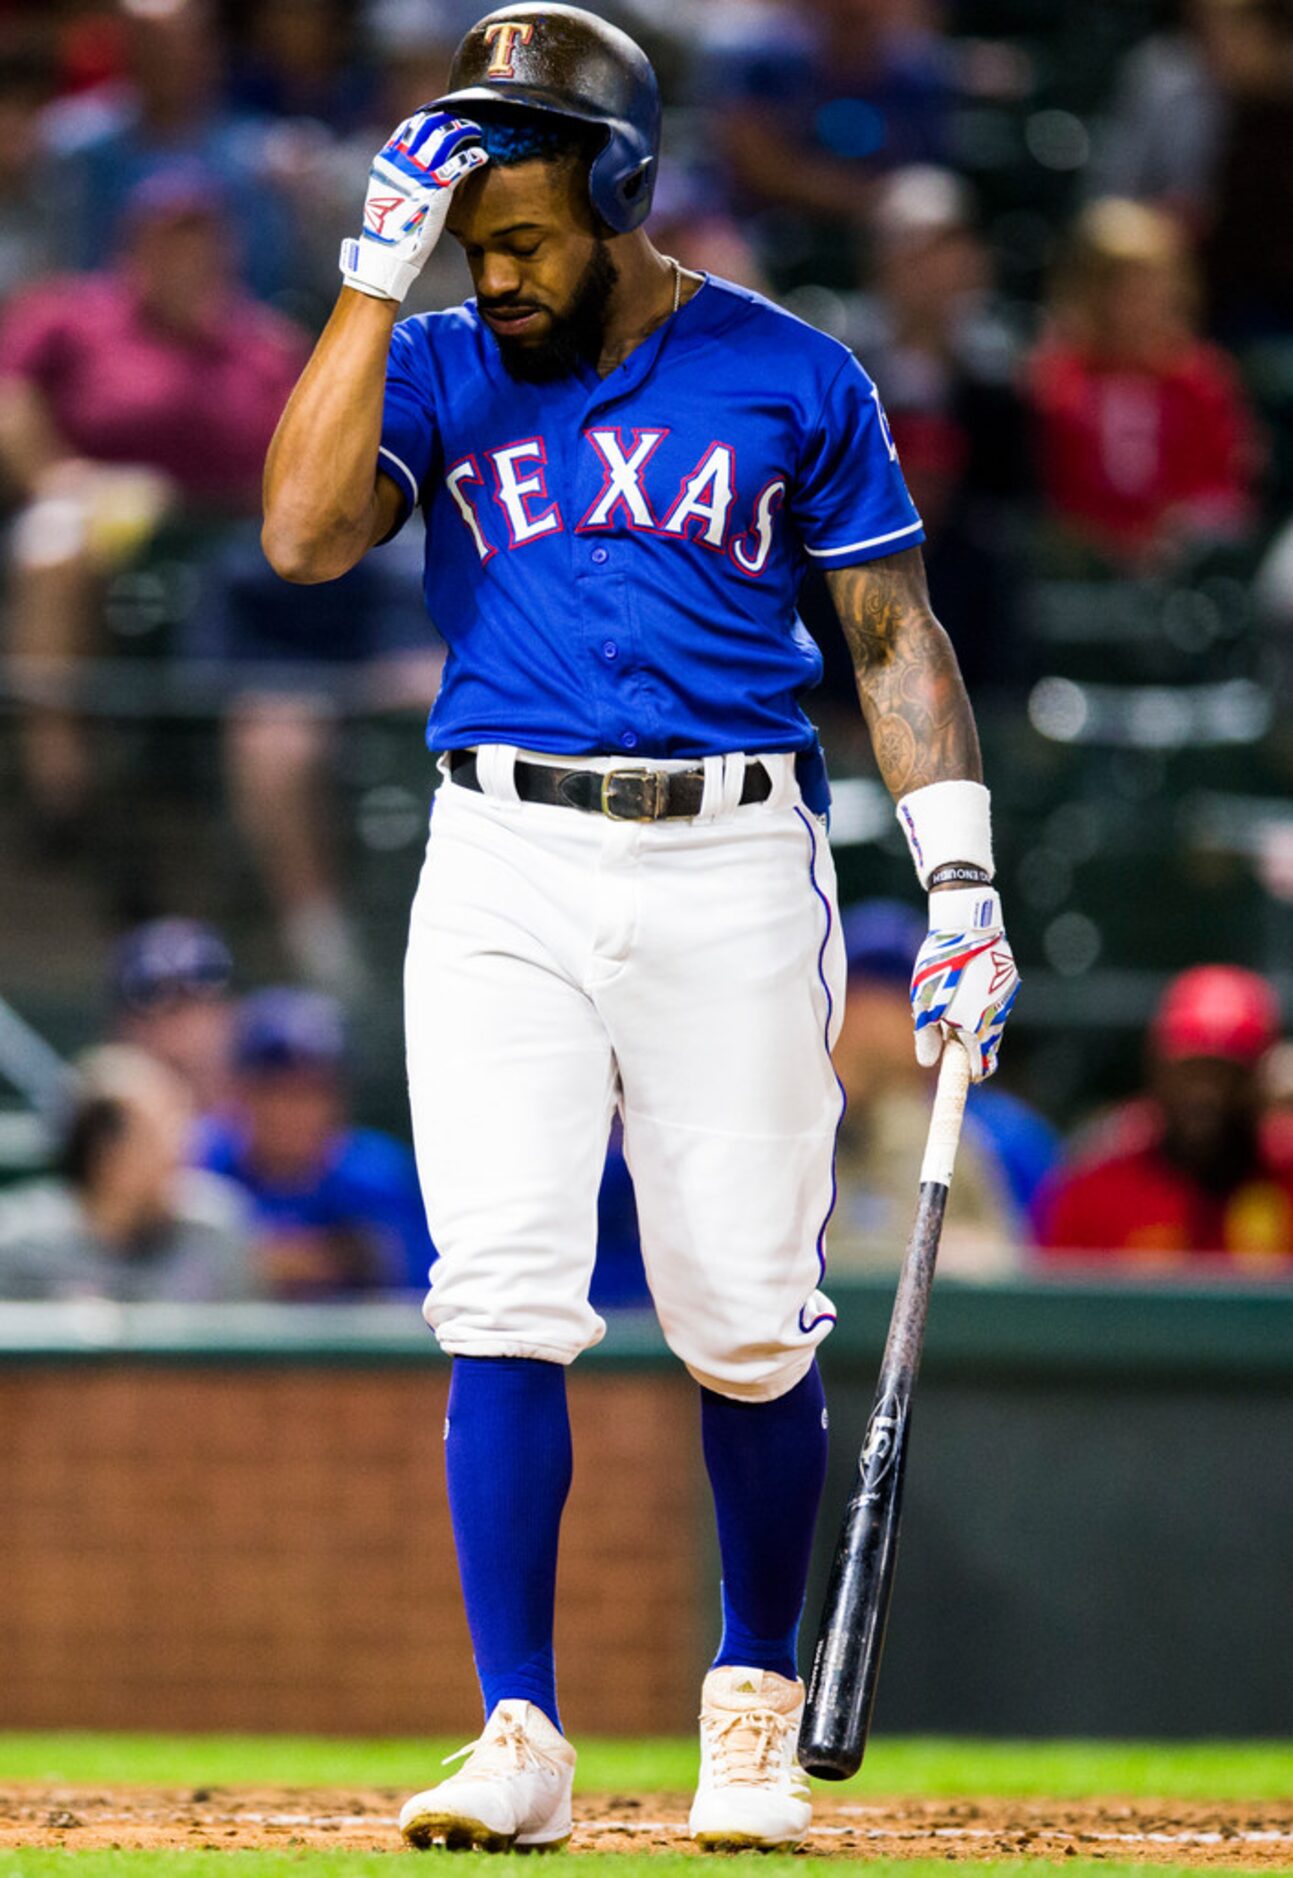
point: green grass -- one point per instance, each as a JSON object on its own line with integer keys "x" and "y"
{"x": 288, "y": 1864}
{"x": 1223, "y": 1771}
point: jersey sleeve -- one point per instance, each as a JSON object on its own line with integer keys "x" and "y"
{"x": 408, "y": 419}
{"x": 850, "y": 502}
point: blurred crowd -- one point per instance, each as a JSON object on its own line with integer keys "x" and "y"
{"x": 1190, "y": 1176}
{"x": 206, "y": 1151}
{"x": 1057, "y": 236}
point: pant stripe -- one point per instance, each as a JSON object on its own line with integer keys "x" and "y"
{"x": 823, "y": 1317}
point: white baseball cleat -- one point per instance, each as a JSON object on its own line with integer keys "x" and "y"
{"x": 752, "y": 1792}
{"x": 513, "y": 1789}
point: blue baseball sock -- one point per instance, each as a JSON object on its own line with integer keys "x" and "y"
{"x": 767, "y": 1465}
{"x": 508, "y": 1461}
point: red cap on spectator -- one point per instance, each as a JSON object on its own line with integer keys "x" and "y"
{"x": 1216, "y": 1010}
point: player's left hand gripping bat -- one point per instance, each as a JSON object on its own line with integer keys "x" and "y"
{"x": 846, "y": 1663}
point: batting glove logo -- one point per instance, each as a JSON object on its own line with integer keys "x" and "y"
{"x": 1003, "y": 970}
{"x": 376, "y": 210}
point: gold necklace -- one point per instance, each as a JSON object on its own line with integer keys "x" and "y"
{"x": 677, "y": 282}
{"x": 677, "y": 302}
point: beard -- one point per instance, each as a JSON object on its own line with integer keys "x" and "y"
{"x": 575, "y": 337}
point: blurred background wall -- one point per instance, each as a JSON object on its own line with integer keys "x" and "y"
{"x": 236, "y": 1519}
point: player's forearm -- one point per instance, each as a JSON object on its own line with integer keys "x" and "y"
{"x": 925, "y": 742}
{"x": 909, "y": 683}
{"x": 322, "y": 511}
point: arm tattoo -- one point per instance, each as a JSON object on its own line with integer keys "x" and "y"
{"x": 909, "y": 684}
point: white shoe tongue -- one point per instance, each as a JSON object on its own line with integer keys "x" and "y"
{"x": 737, "y": 1688}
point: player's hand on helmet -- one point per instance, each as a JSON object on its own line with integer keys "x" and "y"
{"x": 964, "y": 981}
{"x": 410, "y": 187}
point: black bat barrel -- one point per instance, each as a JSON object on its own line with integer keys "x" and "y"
{"x": 846, "y": 1662}
{"x": 846, "y": 1665}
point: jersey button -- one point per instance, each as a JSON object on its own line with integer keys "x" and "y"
{"x": 610, "y": 650}
{"x": 629, "y": 740}
{"x": 600, "y": 556}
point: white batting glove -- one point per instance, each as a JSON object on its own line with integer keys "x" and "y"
{"x": 964, "y": 981}
{"x": 410, "y": 187}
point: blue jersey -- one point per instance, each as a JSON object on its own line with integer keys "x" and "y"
{"x": 614, "y": 562}
{"x": 367, "y": 1183}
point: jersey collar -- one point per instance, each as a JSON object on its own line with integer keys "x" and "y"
{"x": 617, "y": 384}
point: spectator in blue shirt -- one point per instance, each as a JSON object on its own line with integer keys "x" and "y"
{"x": 101, "y": 146}
{"x": 170, "y": 989}
{"x": 814, "y": 105}
{"x": 300, "y": 59}
{"x": 337, "y": 1207}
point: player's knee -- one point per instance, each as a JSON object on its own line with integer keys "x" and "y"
{"x": 472, "y": 1319}
{"x": 761, "y": 1377}
{"x": 751, "y": 1355}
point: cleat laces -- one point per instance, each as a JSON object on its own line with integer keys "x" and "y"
{"x": 499, "y": 1752}
{"x": 748, "y": 1746}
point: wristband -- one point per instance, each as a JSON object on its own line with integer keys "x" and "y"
{"x": 945, "y": 822}
{"x": 954, "y": 874}
{"x": 965, "y": 909}
{"x": 381, "y": 276}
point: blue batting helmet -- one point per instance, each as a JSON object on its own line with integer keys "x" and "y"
{"x": 562, "y": 60}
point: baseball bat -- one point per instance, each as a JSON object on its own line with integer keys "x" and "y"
{"x": 850, "y": 1639}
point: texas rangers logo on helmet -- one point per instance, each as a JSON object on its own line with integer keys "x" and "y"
{"x": 502, "y": 37}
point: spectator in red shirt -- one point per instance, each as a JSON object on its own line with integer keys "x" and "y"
{"x": 1199, "y": 1170}
{"x": 125, "y": 395}
{"x": 1145, "y": 440}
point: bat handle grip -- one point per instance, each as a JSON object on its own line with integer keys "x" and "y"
{"x": 949, "y": 1109}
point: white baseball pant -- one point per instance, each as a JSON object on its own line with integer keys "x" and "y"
{"x": 690, "y": 972}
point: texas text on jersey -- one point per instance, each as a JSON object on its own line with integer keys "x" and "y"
{"x": 650, "y": 528}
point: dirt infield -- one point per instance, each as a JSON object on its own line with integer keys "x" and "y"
{"x": 240, "y": 1817}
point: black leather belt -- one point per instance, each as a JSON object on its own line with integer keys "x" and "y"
{"x": 626, "y": 795}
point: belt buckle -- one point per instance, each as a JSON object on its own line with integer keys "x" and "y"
{"x": 647, "y": 791}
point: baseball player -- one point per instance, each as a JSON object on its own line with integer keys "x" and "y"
{"x": 628, "y": 902}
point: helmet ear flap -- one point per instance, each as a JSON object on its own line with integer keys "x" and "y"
{"x": 620, "y": 187}
{"x": 639, "y": 184}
